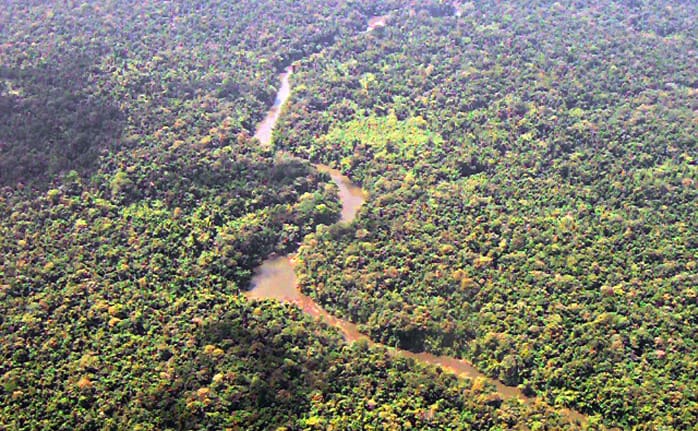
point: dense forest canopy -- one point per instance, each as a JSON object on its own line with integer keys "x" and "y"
{"x": 533, "y": 183}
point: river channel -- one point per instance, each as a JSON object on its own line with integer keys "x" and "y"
{"x": 275, "y": 278}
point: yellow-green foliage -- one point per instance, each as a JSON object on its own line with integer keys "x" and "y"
{"x": 387, "y": 137}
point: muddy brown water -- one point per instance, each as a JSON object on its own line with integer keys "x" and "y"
{"x": 275, "y": 278}
{"x": 351, "y": 195}
{"x": 266, "y": 127}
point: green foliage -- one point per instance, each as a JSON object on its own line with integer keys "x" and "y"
{"x": 550, "y": 233}
{"x": 158, "y": 206}
{"x": 533, "y": 185}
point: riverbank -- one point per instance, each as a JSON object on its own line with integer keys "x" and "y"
{"x": 276, "y": 279}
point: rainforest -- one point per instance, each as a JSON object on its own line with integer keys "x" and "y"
{"x": 348, "y": 215}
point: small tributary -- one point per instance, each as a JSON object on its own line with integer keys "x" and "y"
{"x": 275, "y": 278}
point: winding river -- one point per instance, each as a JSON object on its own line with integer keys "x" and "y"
{"x": 275, "y": 278}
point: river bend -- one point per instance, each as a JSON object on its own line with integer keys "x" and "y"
{"x": 275, "y": 278}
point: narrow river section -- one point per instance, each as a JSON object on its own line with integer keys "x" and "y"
{"x": 350, "y": 195}
{"x": 275, "y": 278}
{"x": 266, "y": 127}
